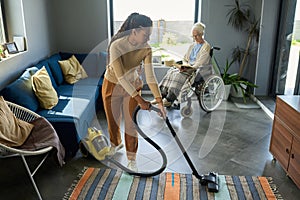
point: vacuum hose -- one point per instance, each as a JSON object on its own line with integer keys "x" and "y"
{"x": 156, "y": 146}
{"x": 186, "y": 156}
{"x": 211, "y": 180}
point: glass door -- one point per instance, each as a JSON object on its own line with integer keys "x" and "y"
{"x": 287, "y": 55}
{"x": 291, "y": 79}
{"x": 297, "y": 82}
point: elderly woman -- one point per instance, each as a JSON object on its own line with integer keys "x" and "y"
{"x": 197, "y": 56}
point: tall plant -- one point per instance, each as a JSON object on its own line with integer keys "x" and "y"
{"x": 242, "y": 18}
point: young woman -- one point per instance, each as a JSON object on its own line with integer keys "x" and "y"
{"x": 121, "y": 90}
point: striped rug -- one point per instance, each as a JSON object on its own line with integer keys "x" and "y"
{"x": 103, "y": 183}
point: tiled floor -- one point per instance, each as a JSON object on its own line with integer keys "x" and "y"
{"x": 229, "y": 140}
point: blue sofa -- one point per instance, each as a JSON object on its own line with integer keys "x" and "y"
{"x": 78, "y": 103}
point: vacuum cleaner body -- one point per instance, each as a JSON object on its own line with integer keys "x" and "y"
{"x": 96, "y": 143}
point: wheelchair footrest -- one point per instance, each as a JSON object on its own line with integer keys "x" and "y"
{"x": 211, "y": 180}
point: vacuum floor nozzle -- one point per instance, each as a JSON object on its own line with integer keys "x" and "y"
{"x": 211, "y": 180}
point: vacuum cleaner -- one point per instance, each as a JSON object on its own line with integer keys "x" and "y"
{"x": 97, "y": 144}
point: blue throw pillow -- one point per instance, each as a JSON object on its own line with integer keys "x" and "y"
{"x": 55, "y": 68}
{"x": 20, "y": 91}
{"x": 45, "y": 63}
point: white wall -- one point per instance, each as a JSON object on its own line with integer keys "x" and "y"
{"x": 79, "y": 25}
{"x": 218, "y": 33}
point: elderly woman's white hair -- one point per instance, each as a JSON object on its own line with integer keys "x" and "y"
{"x": 199, "y": 27}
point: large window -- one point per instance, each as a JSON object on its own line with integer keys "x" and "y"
{"x": 172, "y": 23}
{"x": 285, "y": 80}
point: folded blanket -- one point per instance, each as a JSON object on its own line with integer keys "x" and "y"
{"x": 44, "y": 135}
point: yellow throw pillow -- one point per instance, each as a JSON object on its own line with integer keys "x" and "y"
{"x": 13, "y": 131}
{"x": 43, "y": 89}
{"x": 72, "y": 70}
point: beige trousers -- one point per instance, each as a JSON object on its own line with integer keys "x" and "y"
{"x": 117, "y": 105}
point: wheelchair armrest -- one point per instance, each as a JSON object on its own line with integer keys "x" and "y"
{"x": 202, "y": 72}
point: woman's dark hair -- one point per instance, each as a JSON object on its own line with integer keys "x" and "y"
{"x": 134, "y": 20}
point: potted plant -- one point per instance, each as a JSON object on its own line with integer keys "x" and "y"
{"x": 234, "y": 81}
{"x": 227, "y": 78}
{"x": 242, "y": 85}
{"x": 241, "y": 17}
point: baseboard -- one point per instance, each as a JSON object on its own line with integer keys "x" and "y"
{"x": 263, "y": 107}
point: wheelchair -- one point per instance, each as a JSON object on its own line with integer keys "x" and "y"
{"x": 206, "y": 84}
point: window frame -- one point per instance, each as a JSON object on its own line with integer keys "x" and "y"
{"x": 3, "y": 26}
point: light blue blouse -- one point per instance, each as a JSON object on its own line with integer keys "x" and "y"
{"x": 194, "y": 53}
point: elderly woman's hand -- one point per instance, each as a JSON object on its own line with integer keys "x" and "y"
{"x": 160, "y": 105}
{"x": 182, "y": 68}
{"x": 162, "y": 112}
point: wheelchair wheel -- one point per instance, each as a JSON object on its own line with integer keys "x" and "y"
{"x": 211, "y": 93}
{"x": 186, "y": 111}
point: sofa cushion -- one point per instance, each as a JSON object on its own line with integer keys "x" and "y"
{"x": 88, "y": 92}
{"x": 13, "y": 131}
{"x": 20, "y": 91}
{"x": 43, "y": 89}
{"x": 72, "y": 70}
{"x": 71, "y": 97}
{"x": 90, "y": 81}
{"x": 55, "y": 68}
{"x": 77, "y": 104}
{"x": 65, "y": 108}
{"x": 65, "y": 90}
{"x": 90, "y": 62}
{"x": 80, "y": 56}
{"x": 45, "y": 63}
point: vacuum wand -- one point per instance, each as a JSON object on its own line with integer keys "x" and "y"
{"x": 211, "y": 180}
{"x": 186, "y": 156}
